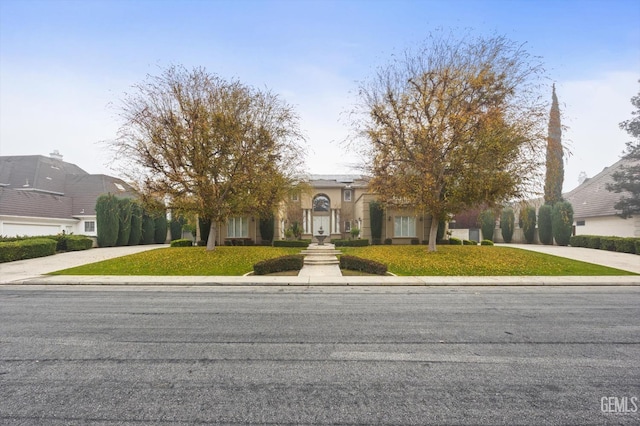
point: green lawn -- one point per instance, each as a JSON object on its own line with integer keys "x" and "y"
{"x": 183, "y": 261}
{"x": 401, "y": 260}
{"x": 475, "y": 260}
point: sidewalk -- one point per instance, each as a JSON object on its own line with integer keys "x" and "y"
{"x": 31, "y": 272}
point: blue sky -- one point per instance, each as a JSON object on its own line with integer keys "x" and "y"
{"x": 65, "y": 65}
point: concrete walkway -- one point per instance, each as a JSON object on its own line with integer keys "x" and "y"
{"x": 320, "y": 261}
{"x": 31, "y": 272}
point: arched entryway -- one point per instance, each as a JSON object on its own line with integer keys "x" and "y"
{"x": 321, "y": 214}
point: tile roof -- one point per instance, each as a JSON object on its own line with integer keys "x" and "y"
{"x": 592, "y": 199}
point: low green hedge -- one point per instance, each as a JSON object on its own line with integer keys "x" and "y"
{"x": 486, "y": 243}
{"x": 455, "y": 241}
{"x": 351, "y": 243}
{"x": 368, "y": 266}
{"x": 618, "y": 244}
{"x": 291, "y": 243}
{"x": 78, "y": 243}
{"x": 27, "y": 249}
{"x": 279, "y": 264}
{"x": 469, "y": 242}
{"x": 181, "y": 242}
{"x": 64, "y": 242}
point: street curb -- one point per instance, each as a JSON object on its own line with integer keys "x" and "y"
{"x": 382, "y": 281}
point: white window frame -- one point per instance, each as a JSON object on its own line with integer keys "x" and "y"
{"x": 347, "y": 226}
{"x": 93, "y": 226}
{"x": 238, "y": 227}
{"x": 347, "y": 195}
{"x": 404, "y": 227}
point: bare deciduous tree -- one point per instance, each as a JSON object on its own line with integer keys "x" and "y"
{"x": 453, "y": 125}
{"x": 213, "y": 147}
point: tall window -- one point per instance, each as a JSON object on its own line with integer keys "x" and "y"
{"x": 347, "y": 226}
{"x": 238, "y": 227}
{"x": 347, "y": 195}
{"x": 89, "y": 226}
{"x": 404, "y": 226}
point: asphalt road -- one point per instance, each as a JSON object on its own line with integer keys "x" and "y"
{"x": 479, "y": 356}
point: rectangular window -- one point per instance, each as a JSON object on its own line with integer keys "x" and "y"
{"x": 238, "y": 227}
{"x": 294, "y": 197}
{"x": 89, "y": 226}
{"x": 404, "y": 226}
{"x": 580, "y": 223}
{"x": 347, "y": 226}
{"x": 347, "y": 195}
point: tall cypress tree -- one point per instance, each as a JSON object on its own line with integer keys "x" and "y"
{"x": 555, "y": 168}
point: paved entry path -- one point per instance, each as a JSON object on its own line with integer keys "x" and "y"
{"x": 320, "y": 261}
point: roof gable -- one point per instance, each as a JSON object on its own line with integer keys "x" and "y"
{"x": 591, "y": 198}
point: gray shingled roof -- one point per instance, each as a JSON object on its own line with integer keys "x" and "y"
{"x": 39, "y": 186}
{"x": 337, "y": 181}
{"x": 15, "y": 202}
{"x": 36, "y": 171}
{"x": 591, "y": 199}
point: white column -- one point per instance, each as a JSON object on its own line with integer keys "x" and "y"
{"x": 304, "y": 221}
{"x": 337, "y": 221}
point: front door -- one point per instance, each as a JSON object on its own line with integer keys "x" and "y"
{"x": 321, "y": 221}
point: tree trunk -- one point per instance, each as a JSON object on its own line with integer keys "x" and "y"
{"x": 433, "y": 234}
{"x": 211, "y": 242}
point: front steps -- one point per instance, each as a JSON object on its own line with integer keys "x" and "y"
{"x": 320, "y": 261}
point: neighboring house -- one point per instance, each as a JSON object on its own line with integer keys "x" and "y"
{"x": 46, "y": 196}
{"x": 593, "y": 210}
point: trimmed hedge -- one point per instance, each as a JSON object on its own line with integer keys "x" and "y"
{"x": 487, "y": 221}
{"x": 545, "y": 228}
{"x": 368, "y": 266}
{"x": 486, "y": 243}
{"x": 562, "y": 222}
{"x": 507, "y": 224}
{"x": 455, "y": 241}
{"x": 619, "y": 244}
{"x": 350, "y": 243}
{"x": 77, "y": 243}
{"x": 528, "y": 219}
{"x": 108, "y": 220}
{"x": 27, "y": 249}
{"x": 291, "y": 243}
{"x": 469, "y": 243}
{"x": 181, "y": 242}
{"x": 279, "y": 264}
{"x": 135, "y": 236}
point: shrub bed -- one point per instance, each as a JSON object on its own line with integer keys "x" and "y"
{"x": 455, "y": 241}
{"x": 619, "y": 244}
{"x": 181, "y": 242}
{"x": 291, "y": 243}
{"x": 78, "y": 243}
{"x": 279, "y": 264}
{"x": 368, "y": 266}
{"x": 27, "y": 249}
{"x": 486, "y": 243}
{"x": 350, "y": 243}
{"x": 470, "y": 242}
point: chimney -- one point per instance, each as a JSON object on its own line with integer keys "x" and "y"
{"x": 56, "y": 155}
